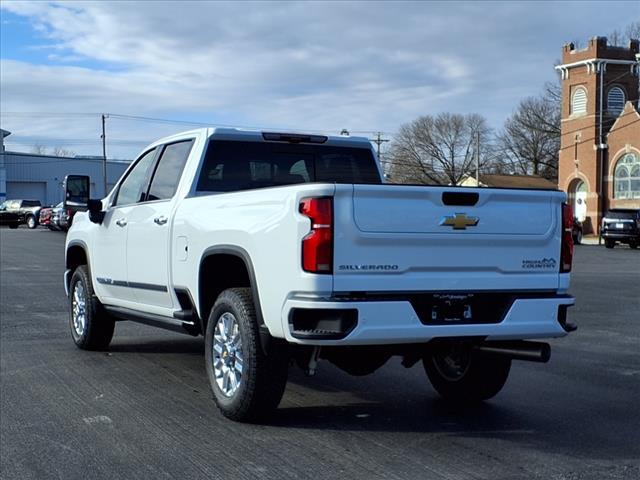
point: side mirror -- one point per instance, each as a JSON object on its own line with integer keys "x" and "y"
{"x": 96, "y": 215}
{"x": 76, "y": 191}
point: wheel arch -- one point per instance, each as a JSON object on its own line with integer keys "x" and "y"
{"x": 242, "y": 274}
{"x": 76, "y": 254}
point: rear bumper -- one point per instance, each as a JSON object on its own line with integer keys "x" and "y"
{"x": 396, "y": 322}
{"x": 621, "y": 237}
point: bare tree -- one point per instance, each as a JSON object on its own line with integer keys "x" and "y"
{"x": 621, "y": 38}
{"x": 439, "y": 149}
{"x": 63, "y": 152}
{"x": 530, "y": 139}
{"x": 633, "y": 31}
{"x": 39, "y": 149}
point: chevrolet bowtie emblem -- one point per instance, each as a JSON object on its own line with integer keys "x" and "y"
{"x": 459, "y": 222}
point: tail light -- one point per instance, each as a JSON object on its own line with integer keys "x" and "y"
{"x": 566, "y": 249}
{"x": 317, "y": 245}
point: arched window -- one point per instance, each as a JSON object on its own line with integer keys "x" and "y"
{"x": 626, "y": 182}
{"x": 579, "y": 101}
{"x": 615, "y": 101}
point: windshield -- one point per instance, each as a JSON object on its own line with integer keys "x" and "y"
{"x": 234, "y": 165}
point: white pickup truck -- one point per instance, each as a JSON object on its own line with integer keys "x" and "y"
{"x": 287, "y": 248}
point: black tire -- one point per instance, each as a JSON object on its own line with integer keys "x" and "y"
{"x": 263, "y": 376}
{"x": 97, "y": 331}
{"x": 480, "y": 377}
{"x": 13, "y": 226}
{"x": 578, "y": 239}
{"x": 31, "y": 222}
{"x": 609, "y": 243}
{"x": 633, "y": 245}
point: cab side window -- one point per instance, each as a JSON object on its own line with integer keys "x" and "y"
{"x": 169, "y": 170}
{"x": 133, "y": 189}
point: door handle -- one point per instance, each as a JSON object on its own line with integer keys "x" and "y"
{"x": 160, "y": 220}
{"x": 122, "y": 222}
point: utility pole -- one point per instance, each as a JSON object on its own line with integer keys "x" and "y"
{"x": 104, "y": 154}
{"x": 478, "y": 159}
{"x": 379, "y": 141}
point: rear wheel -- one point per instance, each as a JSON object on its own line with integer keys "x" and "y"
{"x": 246, "y": 382}
{"x": 609, "y": 243}
{"x": 461, "y": 375}
{"x": 31, "y": 222}
{"x": 91, "y": 327}
{"x": 578, "y": 239}
{"x": 13, "y": 226}
{"x": 633, "y": 245}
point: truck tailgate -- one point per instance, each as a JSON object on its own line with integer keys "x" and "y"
{"x": 411, "y": 238}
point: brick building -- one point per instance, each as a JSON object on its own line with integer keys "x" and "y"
{"x": 599, "y": 163}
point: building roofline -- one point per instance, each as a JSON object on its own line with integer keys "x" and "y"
{"x": 595, "y": 65}
{"x": 598, "y": 60}
{"x": 622, "y": 114}
{"x": 77, "y": 157}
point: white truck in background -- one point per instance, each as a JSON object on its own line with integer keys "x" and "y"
{"x": 280, "y": 247}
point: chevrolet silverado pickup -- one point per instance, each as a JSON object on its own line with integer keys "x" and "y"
{"x": 288, "y": 249}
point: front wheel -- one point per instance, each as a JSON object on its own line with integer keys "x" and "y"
{"x": 91, "y": 327}
{"x": 461, "y": 375}
{"x": 633, "y": 245}
{"x": 247, "y": 383}
{"x": 609, "y": 243}
{"x": 31, "y": 222}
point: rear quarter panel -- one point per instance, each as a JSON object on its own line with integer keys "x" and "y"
{"x": 266, "y": 224}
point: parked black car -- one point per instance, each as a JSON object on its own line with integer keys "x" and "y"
{"x": 621, "y": 225}
{"x": 18, "y": 212}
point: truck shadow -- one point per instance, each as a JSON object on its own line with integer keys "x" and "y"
{"x": 528, "y": 413}
{"x": 529, "y": 419}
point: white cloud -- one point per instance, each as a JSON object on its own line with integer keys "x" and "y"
{"x": 301, "y": 65}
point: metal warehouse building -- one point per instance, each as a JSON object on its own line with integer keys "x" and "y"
{"x": 40, "y": 177}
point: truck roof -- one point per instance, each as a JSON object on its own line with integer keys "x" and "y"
{"x": 237, "y": 134}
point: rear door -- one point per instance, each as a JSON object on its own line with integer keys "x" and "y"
{"x": 149, "y": 238}
{"x": 408, "y": 238}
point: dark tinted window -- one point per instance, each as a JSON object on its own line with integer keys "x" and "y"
{"x": 31, "y": 203}
{"x": 230, "y": 165}
{"x": 134, "y": 186}
{"x": 169, "y": 170}
{"x": 623, "y": 214}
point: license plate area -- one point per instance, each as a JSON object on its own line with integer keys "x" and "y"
{"x": 461, "y": 308}
{"x": 620, "y": 226}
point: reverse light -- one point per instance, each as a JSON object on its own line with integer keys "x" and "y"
{"x": 566, "y": 248}
{"x": 317, "y": 245}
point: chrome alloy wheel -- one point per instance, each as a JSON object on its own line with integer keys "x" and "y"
{"x": 78, "y": 309}
{"x": 227, "y": 354}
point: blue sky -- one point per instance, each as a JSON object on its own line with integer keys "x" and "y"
{"x": 304, "y": 66}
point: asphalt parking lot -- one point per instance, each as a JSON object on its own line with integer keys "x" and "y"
{"x": 143, "y": 409}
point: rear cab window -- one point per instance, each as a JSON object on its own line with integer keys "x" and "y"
{"x": 623, "y": 214}
{"x": 240, "y": 165}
